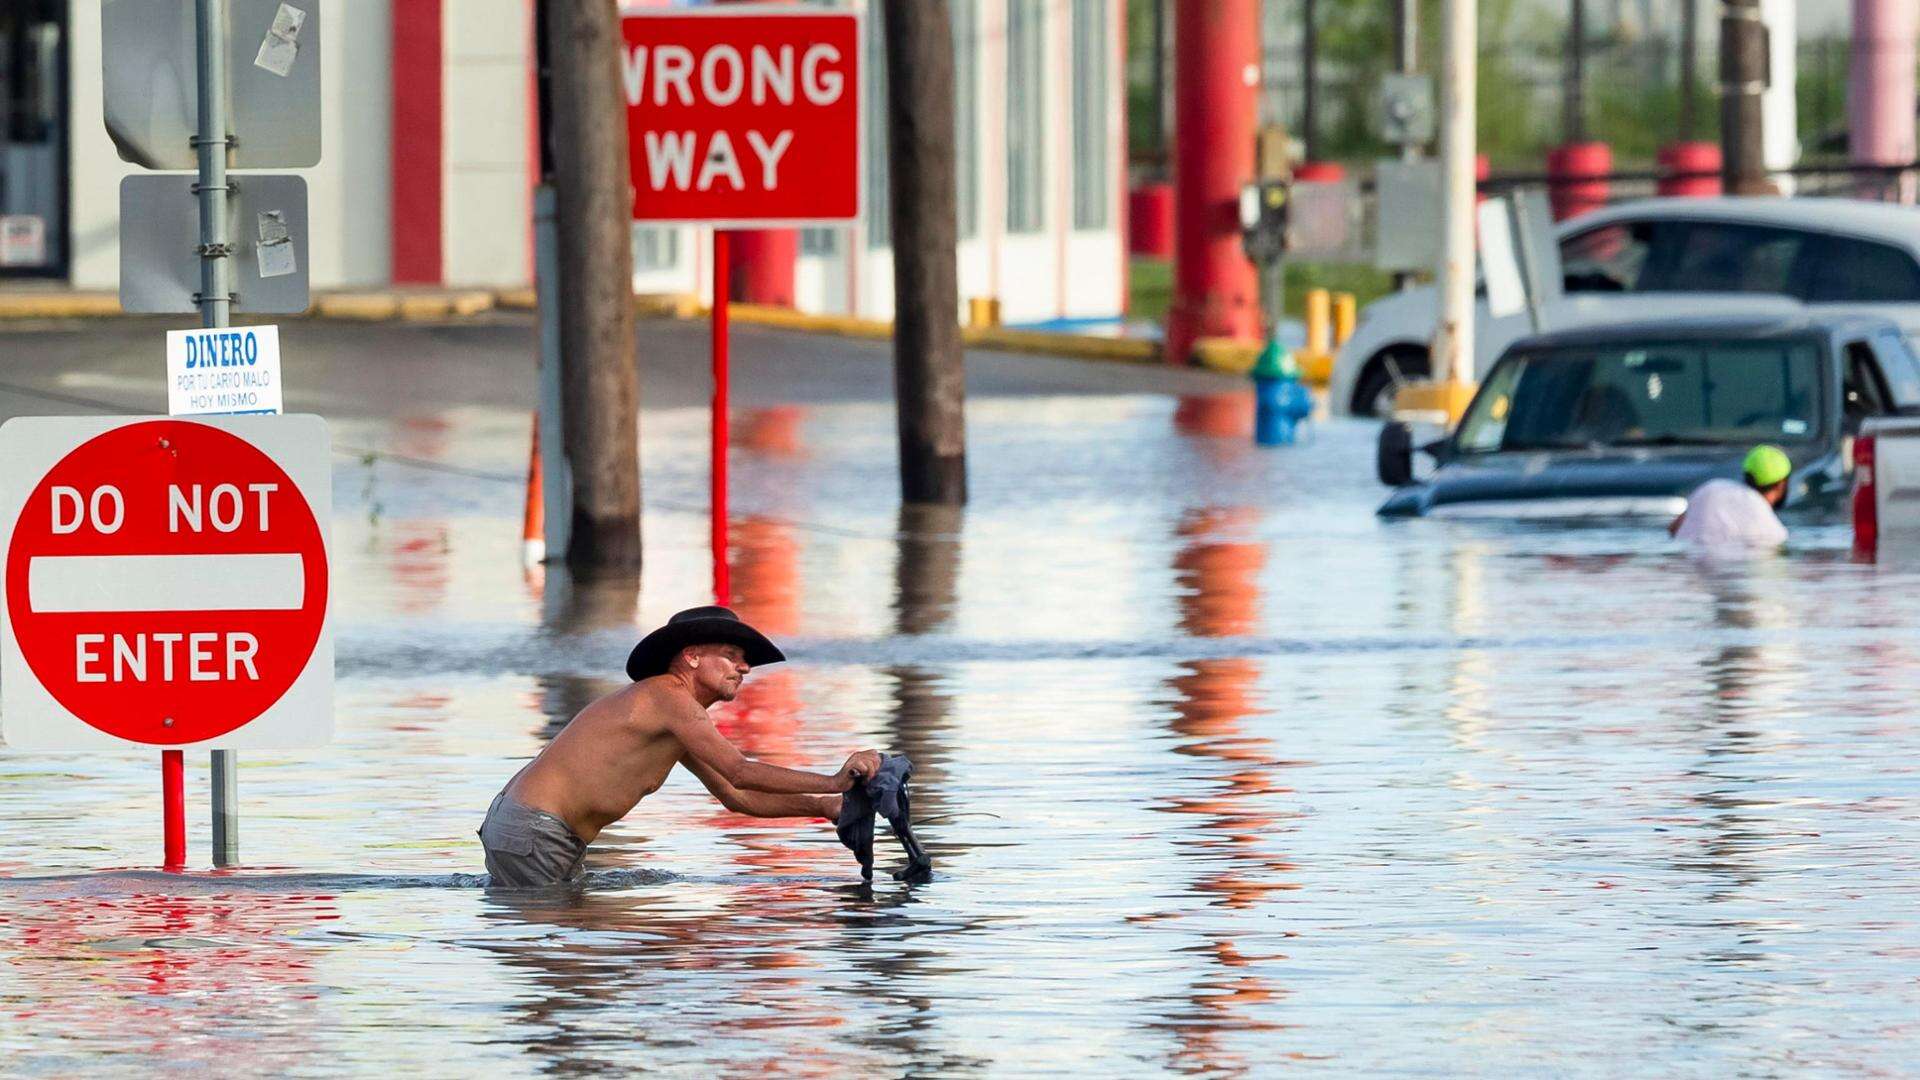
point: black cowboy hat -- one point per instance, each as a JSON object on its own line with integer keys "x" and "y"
{"x": 699, "y": 626}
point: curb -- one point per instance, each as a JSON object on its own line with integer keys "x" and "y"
{"x": 58, "y": 305}
{"x": 1073, "y": 346}
{"x": 412, "y": 306}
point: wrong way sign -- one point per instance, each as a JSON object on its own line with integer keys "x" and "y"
{"x": 743, "y": 117}
{"x": 165, "y": 582}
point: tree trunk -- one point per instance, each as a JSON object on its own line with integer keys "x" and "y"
{"x": 929, "y": 371}
{"x": 600, "y": 376}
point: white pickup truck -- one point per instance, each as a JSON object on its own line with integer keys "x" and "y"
{"x": 1658, "y": 258}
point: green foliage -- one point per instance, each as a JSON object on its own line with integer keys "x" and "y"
{"x": 1150, "y": 285}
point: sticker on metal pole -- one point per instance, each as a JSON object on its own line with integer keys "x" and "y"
{"x": 227, "y": 370}
{"x": 166, "y": 583}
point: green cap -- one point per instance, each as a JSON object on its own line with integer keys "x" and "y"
{"x": 1766, "y": 465}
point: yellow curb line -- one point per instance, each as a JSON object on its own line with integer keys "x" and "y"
{"x": 58, "y": 305}
{"x": 381, "y": 306}
{"x": 1078, "y": 346}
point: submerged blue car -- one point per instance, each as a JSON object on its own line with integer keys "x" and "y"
{"x": 1627, "y": 420}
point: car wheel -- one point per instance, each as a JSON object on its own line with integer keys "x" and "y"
{"x": 1373, "y": 394}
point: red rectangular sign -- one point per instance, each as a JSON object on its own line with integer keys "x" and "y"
{"x": 747, "y": 118}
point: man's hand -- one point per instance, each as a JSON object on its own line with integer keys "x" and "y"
{"x": 860, "y": 766}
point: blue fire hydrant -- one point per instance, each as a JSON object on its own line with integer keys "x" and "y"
{"x": 1281, "y": 400}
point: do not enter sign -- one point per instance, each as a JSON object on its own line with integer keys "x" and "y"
{"x": 165, "y": 583}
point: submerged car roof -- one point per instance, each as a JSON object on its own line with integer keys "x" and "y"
{"x": 1854, "y": 217}
{"x": 1747, "y": 327}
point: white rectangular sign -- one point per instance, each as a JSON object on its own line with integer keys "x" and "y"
{"x": 1500, "y": 261}
{"x": 165, "y": 582}
{"x": 226, "y": 371}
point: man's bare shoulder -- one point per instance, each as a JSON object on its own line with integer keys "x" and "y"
{"x": 658, "y": 704}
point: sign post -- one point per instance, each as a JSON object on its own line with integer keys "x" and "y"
{"x": 256, "y": 104}
{"x": 741, "y": 119}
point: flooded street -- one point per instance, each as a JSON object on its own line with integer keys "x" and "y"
{"x": 1220, "y": 774}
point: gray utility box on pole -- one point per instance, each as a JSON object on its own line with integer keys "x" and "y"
{"x": 266, "y": 234}
{"x": 272, "y": 95}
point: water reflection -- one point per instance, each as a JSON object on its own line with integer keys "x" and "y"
{"x": 169, "y": 976}
{"x": 1216, "y": 576}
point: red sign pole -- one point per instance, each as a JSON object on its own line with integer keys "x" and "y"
{"x": 173, "y": 808}
{"x": 722, "y": 584}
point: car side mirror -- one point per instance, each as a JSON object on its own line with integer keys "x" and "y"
{"x": 1394, "y": 460}
{"x": 1440, "y": 450}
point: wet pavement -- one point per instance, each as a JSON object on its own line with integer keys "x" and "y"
{"x": 1221, "y": 774}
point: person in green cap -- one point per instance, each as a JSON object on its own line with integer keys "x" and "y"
{"x": 1725, "y": 513}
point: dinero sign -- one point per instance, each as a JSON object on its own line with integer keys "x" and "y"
{"x": 749, "y": 119}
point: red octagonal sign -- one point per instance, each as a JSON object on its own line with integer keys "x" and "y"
{"x": 166, "y": 583}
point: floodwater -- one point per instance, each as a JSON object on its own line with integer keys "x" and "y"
{"x": 1221, "y": 775}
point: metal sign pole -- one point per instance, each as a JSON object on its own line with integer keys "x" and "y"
{"x": 215, "y": 300}
{"x": 722, "y": 577}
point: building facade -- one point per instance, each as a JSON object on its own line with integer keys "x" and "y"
{"x": 429, "y": 158}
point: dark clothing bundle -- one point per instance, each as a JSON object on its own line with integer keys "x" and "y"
{"x": 885, "y": 793}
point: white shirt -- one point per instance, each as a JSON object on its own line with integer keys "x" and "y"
{"x": 1728, "y": 513}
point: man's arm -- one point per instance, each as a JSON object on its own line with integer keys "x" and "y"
{"x": 759, "y": 803}
{"x": 702, "y": 742}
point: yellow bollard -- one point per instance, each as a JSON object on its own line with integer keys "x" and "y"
{"x": 983, "y": 312}
{"x": 1345, "y": 313}
{"x": 1319, "y": 322}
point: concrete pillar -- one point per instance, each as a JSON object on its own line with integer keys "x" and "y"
{"x": 1880, "y": 88}
{"x": 1216, "y": 81}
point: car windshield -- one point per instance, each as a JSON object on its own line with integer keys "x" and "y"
{"x": 1685, "y": 394}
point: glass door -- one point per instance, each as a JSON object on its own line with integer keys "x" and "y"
{"x": 33, "y": 138}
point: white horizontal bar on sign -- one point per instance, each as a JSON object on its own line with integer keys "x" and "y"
{"x": 89, "y": 583}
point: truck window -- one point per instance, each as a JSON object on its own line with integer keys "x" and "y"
{"x": 1861, "y": 271}
{"x": 1715, "y": 257}
{"x": 1900, "y": 366}
{"x": 1607, "y": 259}
{"x": 1864, "y": 393}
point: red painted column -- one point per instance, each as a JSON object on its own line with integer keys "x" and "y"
{"x": 1880, "y": 93}
{"x": 1216, "y": 67}
{"x": 763, "y": 261}
{"x": 417, "y": 142}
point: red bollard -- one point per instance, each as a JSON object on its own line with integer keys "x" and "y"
{"x": 1690, "y": 168}
{"x": 1577, "y": 178}
{"x": 1150, "y": 221}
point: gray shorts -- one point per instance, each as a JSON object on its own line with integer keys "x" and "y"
{"x": 527, "y": 847}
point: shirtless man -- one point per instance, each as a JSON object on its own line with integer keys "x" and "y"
{"x": 619, "y": 749}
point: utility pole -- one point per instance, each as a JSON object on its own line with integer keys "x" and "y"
{"x": 1453, "y": 341}
{"x": 1573, "y": 123}
{"x": 1743, "y": 78}
{"x": 600, "y": 393}
{"x": 1689, "y": 64}
{"x": 1406, "y": 54}
{"x": 928, "y": 365}
{"x": 1309, "y": 79}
